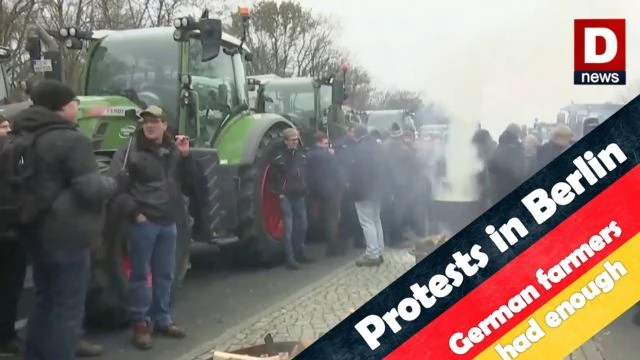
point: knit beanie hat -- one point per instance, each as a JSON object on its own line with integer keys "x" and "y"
{"x": 52, "y": 95}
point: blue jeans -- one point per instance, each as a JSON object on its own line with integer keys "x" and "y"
{"x": 151, "y": 247}
{"x": 61, "y": 279}
{"x": 294, "y": 212}
{"x": 369, "y": 215}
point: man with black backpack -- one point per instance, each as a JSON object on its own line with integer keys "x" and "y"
{"x": 58, "y": 196}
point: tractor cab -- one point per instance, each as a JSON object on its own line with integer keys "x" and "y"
{"x": 381, "y": 122}
{"x": 311, "y": 104}
{"x": 194, "y": 71}
{"x": 5, "y": 54}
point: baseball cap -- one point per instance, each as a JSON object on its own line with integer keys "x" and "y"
{"x": 152, "y": 110}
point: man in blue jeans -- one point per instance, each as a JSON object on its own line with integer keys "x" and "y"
{"x": 159, "y": 167}
{"x": 287, "y": 181}
{"x": 69, "y": 197}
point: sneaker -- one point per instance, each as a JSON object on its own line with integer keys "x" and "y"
{"x": 142, "y": 336}
{"x": 171, "y": 331}
{"x": 85, "y": 349}
{"x": 13, "y": 348}
{"x": 367, "y": 261}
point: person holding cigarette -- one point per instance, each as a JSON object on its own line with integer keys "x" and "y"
{"x": 159, "y": 168}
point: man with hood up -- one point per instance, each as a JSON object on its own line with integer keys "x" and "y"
{"x": 507, "y": 166}
{"x": 70, "y": 196}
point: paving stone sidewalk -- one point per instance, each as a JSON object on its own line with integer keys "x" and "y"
{"x": 320, "y": 307}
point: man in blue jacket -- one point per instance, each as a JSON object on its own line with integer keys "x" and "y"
{"x": 326, "y": 182}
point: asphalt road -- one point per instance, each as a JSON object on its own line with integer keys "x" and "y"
{"x": 216, "y": 296}
{"x": 620, "y": 340}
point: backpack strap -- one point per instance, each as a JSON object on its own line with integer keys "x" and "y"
{"x": 38, "y": 133}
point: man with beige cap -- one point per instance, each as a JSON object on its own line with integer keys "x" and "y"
{"x": 561, "y": 139}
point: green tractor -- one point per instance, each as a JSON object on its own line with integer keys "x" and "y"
{"x": 311, "y": 104}
{"x": 197, "y": 74}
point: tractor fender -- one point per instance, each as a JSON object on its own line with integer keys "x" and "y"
{"x": 263, "y": 122}
{"x": 240, "y": 140}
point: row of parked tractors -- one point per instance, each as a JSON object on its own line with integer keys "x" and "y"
{"x": 197, "y": 73}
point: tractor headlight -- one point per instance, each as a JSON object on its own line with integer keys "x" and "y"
{"x": 73, "y": 31}
{"x": 177, "y": 35}
{"x": 63, "y": 32}
{"x": 177, "y": 23}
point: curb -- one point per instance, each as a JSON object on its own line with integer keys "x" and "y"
{"x": 200, "y": 352}
{"x": 590, "y": 350}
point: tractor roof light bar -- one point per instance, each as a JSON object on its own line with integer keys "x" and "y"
{"x": 72, "y": 37}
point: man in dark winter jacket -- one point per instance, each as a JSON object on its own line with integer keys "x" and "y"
{"x": 366, "y": 176}
{"x": 326, "y": 181}
{"x": 159, "y": 169}
{"x": 400, "y": 210}
{"x": 70, "y": 197}
{"x": 288, "y": 182}
{"x": 485, "y": 146}
{"x": 349, "y": 224}
{"x": 13, "y": 265}
{"x": 507, "y": 167}
{"x": 561, "y": 139}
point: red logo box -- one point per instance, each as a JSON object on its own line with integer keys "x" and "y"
{"x": 600, "y": 51}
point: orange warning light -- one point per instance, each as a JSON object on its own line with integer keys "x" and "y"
{"x": 243, "y": 11}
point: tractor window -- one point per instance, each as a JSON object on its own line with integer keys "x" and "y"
{"x": 144, "y": 63}
{"x": 325, "y": 96}
{"x": 241, "y": 78}
{"x": 295, "y": 100}
{"x": 215, "y": 83}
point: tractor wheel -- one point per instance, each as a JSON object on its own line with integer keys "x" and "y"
{"x": 261, "y": 226}
{"x": 107, "y": 297}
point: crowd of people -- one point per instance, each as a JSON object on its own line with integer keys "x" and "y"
{"x": 53, "y": 207}
{"x": 357, "y": 190}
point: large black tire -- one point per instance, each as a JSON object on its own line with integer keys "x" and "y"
{"x": 257, "y": 247}
{"x": 107, "y": 297}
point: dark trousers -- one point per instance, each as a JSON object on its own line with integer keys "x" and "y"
{"x": 349, "y": 225}
{"x": 13, "y": 266}
{"x": 294, "y": 213}
{"x": 404, "y": 212}
{"x": 61, "y": 278}
{"x": 330, "y": 218}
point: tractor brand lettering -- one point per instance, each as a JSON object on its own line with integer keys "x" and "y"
{"x": 599, "y": 52}
{"x": 126, "y": 131}
{"x": 115, "y": 111}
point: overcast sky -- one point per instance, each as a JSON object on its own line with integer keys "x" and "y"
{"x": 497, "y": 60}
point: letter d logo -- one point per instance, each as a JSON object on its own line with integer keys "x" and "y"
{"x": 599, "y": 52}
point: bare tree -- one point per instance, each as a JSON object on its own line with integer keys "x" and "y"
{"x": 289, "y": 40}
{"x": 403, "y": 99}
